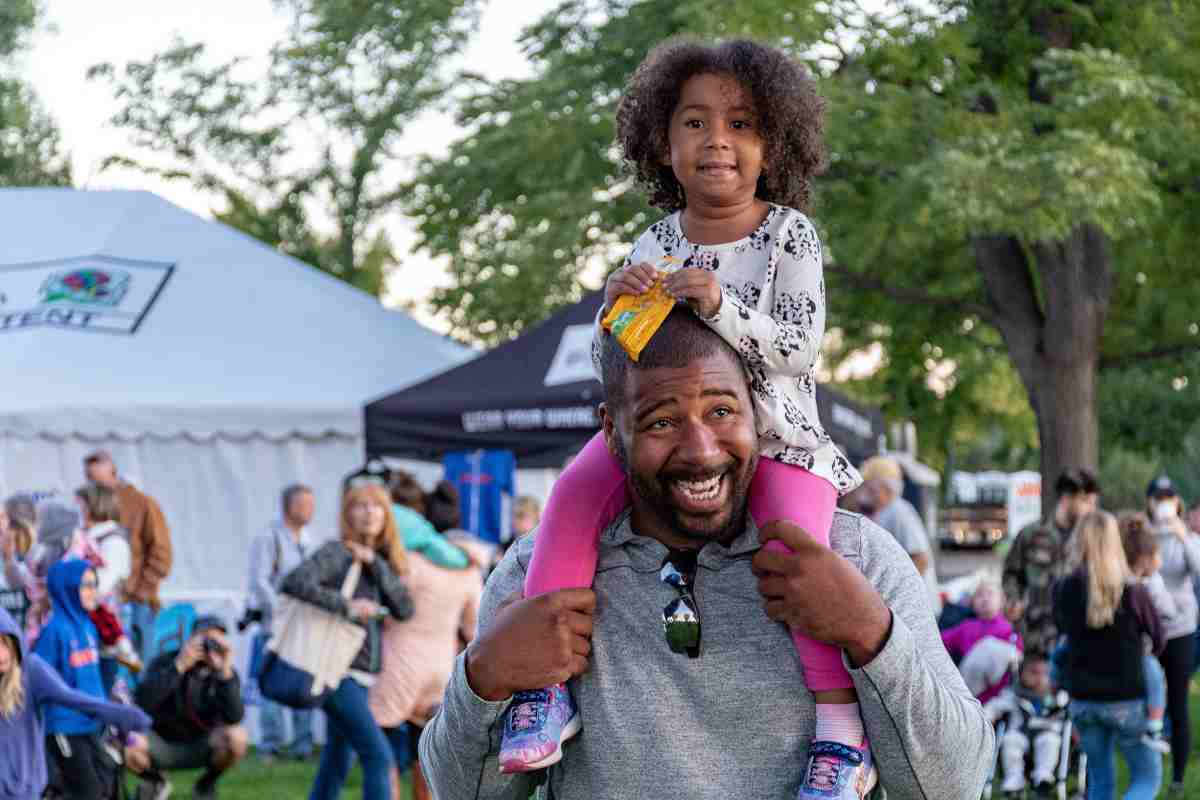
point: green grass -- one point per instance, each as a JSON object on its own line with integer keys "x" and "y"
{"x": 290, "y": 780}
{"x": 251, "y": 780}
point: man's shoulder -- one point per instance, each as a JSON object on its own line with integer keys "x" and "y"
{"x": 1034, "y": 531}
{"x": 862, "y": 541}
{"x": 518, "y": 555}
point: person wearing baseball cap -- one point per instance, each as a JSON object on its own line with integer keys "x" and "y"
{"x": 1179, "y": 550}
{"x": 195, "y": 698}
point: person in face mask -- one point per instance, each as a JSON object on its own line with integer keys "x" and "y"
{"x": 1180, "y": 552}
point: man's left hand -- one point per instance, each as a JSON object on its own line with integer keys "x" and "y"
{"x": 820, "y": 594}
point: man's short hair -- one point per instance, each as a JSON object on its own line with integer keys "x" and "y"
{"x": 886, "y": 469}
{"x": 97, "y": 457}
{"x": 682, "y": 339}
{"x": 289, "y": 494}
{"x": 1076, "y": 480}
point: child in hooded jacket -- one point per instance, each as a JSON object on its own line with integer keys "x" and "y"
{"x": 70, "y": 645}
{"x": 28, "y": 687}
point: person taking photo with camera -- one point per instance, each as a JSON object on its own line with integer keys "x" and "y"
{"x": 195, "y": 699}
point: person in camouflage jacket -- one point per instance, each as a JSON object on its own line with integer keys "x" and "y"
{"x": 1038, "y": 558}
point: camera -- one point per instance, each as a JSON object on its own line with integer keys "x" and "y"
{"x": 253, "y": 616}
{"x": 211, "y": 645}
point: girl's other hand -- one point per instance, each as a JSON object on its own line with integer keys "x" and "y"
{"x": 363, "y": 609}
{"x": 1177, "y": 527}
{"x": 361, "y": 552}
{"x": 634, "y": 279}
{"x": 698, "y": 287}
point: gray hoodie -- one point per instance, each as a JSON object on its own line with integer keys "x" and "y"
{"x": 1180, "y": 564}
{"x": 737, "y": 721}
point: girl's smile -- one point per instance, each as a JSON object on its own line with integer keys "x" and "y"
{"x": 716, "y": 151}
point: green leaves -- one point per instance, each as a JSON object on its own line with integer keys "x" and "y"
{"x": 30, "y": 151}
{"x": 298, "y": 155}
{"x": 946, "y": 120}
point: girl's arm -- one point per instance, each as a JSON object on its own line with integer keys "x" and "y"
{"x": 1147, "y": 616}
{"x": 18, "y": 574}
{"x": 115, "y": 552}
{"x": 1191, "y": 551}
{"x": 786, "y": 341}
{"x": 45, "y": 686}
{"x": 311, "y": 579}
{"x": 392, "y": 589}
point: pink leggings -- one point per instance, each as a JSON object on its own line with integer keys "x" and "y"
{"x": 591, "y": 492}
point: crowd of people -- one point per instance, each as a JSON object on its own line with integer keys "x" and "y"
{"x": 87, "y": 694}
{"x": 1095, "y": 618}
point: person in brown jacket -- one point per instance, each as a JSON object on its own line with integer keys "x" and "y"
{"x": 149, "y": 548}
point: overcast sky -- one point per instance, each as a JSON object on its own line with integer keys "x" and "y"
{"x": 81, "y": 33}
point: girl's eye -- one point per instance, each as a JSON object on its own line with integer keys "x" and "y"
{"x": 695, "y": 124}
{"x": 659, "y": 425}
{"x": 723, "y": 412}
{"x": 741, "y": 125}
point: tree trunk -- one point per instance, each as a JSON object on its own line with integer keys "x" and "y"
{"x": 1051, "y": 313}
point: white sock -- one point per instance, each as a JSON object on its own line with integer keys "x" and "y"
{"x": 839, "y": 722}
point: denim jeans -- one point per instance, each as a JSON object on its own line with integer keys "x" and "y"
{"x": 1123, "y": 722}
{"x": 351, "y": 727}
{"x": 341, "y": 757}
{"x": 1156, "y": 683}
{"x": 138, "y": 621}
{"x": 271, "y": 722}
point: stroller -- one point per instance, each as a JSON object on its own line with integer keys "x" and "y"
{"x": 1034, "y": 723}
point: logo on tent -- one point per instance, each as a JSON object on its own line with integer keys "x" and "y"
{"x": 94, "y": 286}
{"x": 92, "y": 293}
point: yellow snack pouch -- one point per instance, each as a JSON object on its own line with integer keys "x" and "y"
{"x": 635, "y": 318}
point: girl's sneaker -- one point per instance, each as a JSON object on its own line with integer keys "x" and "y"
{"x": 1156, "y": 742}
{"x": 535, "y": 726}
{"x": 837, "y": 772}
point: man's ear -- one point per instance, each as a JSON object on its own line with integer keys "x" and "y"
{"x": 608, "y": 425}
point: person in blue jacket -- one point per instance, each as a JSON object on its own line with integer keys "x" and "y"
{"x": 69, "y": 643}
{"x": 28, "y": 686}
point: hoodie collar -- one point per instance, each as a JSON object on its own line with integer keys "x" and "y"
{"x": 63, "y": 584}
{"x": 9, "y": 627}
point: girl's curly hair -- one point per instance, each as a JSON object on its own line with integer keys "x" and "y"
{"x": 790, "y": 116}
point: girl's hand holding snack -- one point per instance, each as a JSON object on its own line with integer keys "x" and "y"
{"x": 699, "y": 287}
{"x": 634, "y": 279}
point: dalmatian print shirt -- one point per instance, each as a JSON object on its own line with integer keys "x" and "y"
{"x": 773, "y": 313}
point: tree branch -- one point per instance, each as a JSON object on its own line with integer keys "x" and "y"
{"x": 1153, "y": 354}
{"x": 909, "y": 295}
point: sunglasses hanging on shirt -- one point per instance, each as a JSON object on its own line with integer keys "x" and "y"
{"x": 681, "y": 616}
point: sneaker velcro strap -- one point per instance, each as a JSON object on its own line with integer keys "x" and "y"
{"x": 837, "y": 750}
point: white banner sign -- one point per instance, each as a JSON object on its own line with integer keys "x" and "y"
{"x": 573, "y": 359}
{"x": 93, "y": 293}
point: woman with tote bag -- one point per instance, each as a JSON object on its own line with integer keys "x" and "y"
{"x": 369, "y": 544}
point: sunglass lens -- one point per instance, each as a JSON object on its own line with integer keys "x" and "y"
{"x": 682, "y": 625}
{"x": 673, "y": 577}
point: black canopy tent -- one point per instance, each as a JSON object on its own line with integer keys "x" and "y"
{"x": 536, "y": 396}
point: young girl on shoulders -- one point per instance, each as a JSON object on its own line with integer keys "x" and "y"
{"x": 726, "y": 139}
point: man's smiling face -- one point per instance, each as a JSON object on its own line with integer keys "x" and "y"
{"x": 686, "y": 438}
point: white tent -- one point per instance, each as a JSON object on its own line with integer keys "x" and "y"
{"x": 215, "y": 369}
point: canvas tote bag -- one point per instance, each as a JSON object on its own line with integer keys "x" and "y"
{"x": 310, "y": 649}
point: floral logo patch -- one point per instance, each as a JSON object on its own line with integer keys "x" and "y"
{"x": 90, "y": 286}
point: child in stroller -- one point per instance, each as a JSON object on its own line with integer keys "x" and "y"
{"x": 1030, "y": 715}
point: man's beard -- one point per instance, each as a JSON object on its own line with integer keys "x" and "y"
{"x": 723, "y": 526}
